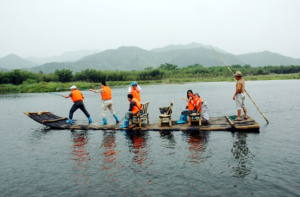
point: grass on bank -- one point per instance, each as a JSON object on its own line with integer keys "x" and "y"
{"x": 58, "y": 86}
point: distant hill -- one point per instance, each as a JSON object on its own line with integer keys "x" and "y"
{"x": 3, "y": 69}
{"x": 13, "y": 61}
{"x": 70, "y": 56}
{"x": 266, "y": 58}
{"x": 134, "y": 58}
{"x": 192, "y": 45}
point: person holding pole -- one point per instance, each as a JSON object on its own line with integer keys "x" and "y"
{"x": 240, "y": 95}
{"x": 77, "y": 98}
{"x": 107, "y": 102}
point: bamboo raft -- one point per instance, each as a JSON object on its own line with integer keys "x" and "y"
{"x": 215, "y": 124}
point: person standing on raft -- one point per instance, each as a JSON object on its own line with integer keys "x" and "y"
{"x": 135, "y": 90}
{"x": 77, "y": 98}
{"x": 107, "y": 102}
{"x": 134, "y": 107}
{"x": 239, "y": 96}
{"x": 191, "y": 107}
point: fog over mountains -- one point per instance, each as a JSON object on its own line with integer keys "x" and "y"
{"x": 135, "y": 58}
{"x": 70, "y": 56}
{"x": 13, "y": 61}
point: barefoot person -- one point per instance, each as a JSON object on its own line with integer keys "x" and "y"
{"x": 239, "y": 95}
{"x": 77, "y": 98}
{"x": 107, "y": 102}
{"x": 134, "y": 107}
{"x": 135, "y": 90}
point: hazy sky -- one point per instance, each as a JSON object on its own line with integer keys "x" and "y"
{"x": 51, "y": 27}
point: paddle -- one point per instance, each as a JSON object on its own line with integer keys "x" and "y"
{"x": 119, "y": 122}
{"x": 245, "y": 90}
{"x": 54, "y": 94}
{"x": 57, "y": 89}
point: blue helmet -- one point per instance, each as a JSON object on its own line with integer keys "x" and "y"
{"x": 133, "y": 83}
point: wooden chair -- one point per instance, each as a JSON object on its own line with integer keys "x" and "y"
{"x": 166, "y": 118}
{"x": 193, "y": 117}
{"x": 141, "y": 116}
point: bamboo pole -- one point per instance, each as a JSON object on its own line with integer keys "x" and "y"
{"x": 245, "y": 90}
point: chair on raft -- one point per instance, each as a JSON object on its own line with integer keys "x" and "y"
{"x": 166, "y": 118}
{"x": 141, "y": 116}
{"x": 196, "y": 117}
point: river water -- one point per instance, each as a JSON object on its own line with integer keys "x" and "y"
{"x": 37, "y": 161}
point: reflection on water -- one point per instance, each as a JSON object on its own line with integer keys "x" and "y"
{"x": 137, "y": 141}
{"x": 81, "y": 158}
{"x": 242, "y": 155}
{"x": 197, "y": 142}
{"x": 110, "y": 158}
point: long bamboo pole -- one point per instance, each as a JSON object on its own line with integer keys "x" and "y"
{"x": 245, "y": 90}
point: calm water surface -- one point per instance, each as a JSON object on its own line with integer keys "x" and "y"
{"x": 36, "y": 161}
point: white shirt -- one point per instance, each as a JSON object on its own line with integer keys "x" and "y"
{"x": 138, "y": 88}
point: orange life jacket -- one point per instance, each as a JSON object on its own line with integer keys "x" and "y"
{"x": 137, "y": 108}
{"x": 76, "y": 95}
{"x": 106, "y": 95}
{"x": 136, "y": 94}
{"x": 200, "y": 101}
{"x": 191, "y": 103}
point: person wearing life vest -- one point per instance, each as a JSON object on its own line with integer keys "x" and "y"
{"x": 77, "y": 98}
{"x": 107, "y": 102}
{"x": 190, "y": 108}
{"x": 205, "y": 112}
{"x": 198, "y": 102}
{"x": 134, "y": 107}
{"x": 135, "y": 90}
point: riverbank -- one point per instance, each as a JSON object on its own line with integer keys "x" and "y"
{"x": 59, "y": 87}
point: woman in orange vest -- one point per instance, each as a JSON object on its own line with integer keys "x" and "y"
{"x": 134, "y": 107}
{"x": 190, "y": 108}
{"x": 77, "y": 98}
{"x": 107, "y": 102}
{"x": 198, "y": 102}
{"x": 135, "y": 90}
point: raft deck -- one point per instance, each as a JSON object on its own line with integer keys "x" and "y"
{"x": 215, "y": 124}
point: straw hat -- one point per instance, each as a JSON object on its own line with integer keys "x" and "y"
{"x": 238, "y": 74}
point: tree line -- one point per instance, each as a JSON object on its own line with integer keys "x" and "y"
{"x": 164, "y": 71}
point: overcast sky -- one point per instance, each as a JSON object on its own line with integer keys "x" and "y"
{"x": 51, "y": 27}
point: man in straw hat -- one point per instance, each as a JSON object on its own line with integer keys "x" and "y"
{"x": 239, "y": 96}
{"x": 77, "y": 98}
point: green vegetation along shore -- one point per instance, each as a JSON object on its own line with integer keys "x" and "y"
{"x": 60, "y": 86}
{"x": 22, "y": 81}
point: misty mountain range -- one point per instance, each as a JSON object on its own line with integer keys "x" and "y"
{"x": 135, "y": 58}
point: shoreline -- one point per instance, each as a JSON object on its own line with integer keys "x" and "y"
{"x": 61, "y": 87}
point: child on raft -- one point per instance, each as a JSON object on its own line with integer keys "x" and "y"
{"x": 192, "y": 106}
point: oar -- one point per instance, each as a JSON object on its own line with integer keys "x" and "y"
{"x": 69, "y": 89}
{"x": 54, "y": 94}
{"x": 120, "y": 122}
{"x": 245, "y": 90}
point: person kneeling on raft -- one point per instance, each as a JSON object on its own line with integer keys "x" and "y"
{"x": 134, "y": 107}
{"x": 77, "y": 98}
{"x": 191, "y": 107}
{"x": 106, "y": 96}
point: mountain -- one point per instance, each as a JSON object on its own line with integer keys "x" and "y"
{"x": 13, "y": 61}
{"x": 135, "y": 58}
{"x": 266, "y": 58}
{"x": 70, "y": 56}
{"x": 192, "y": 45}
{"x": 2, "y": 69}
